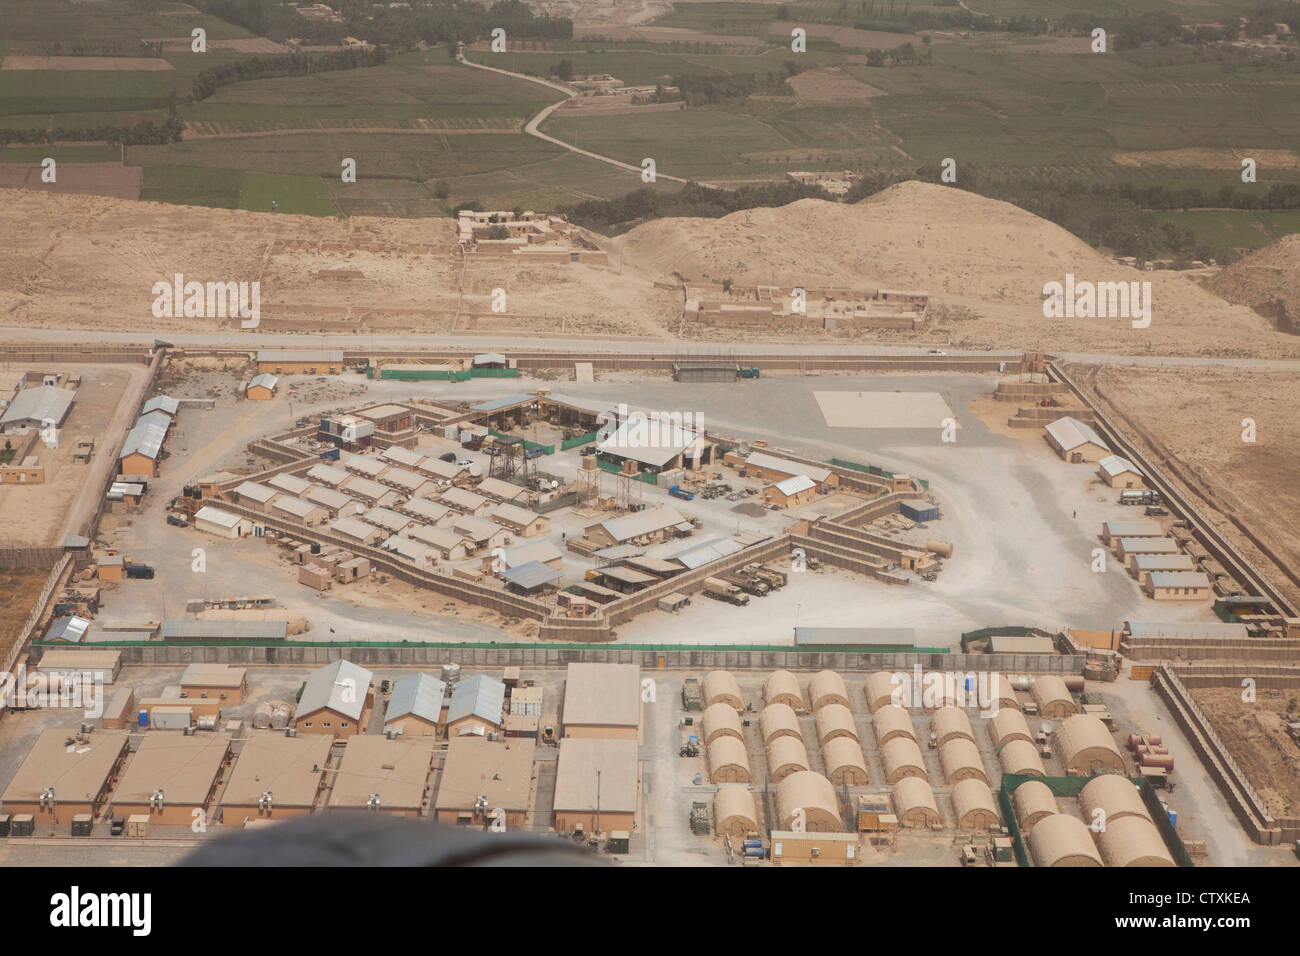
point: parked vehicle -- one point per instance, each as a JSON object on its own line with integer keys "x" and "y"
{"x": 1141, "y": 496}
{"x": 720, "y": 590}
{"x": 179, "y": 521}
{"x": 1154, "y": 512}
{"x": 139, "y": 571}
{"x": 449, "y": 457}
{"x": 677, "y": 491}
{"x": 464, "y": 463}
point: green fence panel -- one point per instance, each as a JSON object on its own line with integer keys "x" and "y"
{"x": 494, "y": 373}
{"x": 579, "y": 440}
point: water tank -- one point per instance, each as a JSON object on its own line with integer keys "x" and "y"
{"x": 941, "y": 548}
{"x": 280, "y": 713}
{"x": 208, "y": 722}
{"x": 450, "y": 672}
{"x": 261, "y": 716}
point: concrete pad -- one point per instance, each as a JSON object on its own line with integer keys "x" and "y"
{"x": 883, "y": 409}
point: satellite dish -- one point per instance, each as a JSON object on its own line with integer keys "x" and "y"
{"x": 554, "y": 484}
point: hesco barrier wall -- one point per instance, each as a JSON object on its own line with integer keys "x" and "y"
{"x": 1249, "y": 808}
{"x": 1069, "y": 787}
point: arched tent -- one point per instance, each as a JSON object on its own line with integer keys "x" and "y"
{"x": 779, "y": 720}
{"x": 815, "y": 796}
{"x": 1018, "y": 756}
{"x": 845, "y": 763}
{"x": 949, "y": 723}
{"x": 1062, "y": 840}
{"x": 880, "y": 690}
{"x": 1005, "y": 695}
{"x": 1132, "y": 841}
{"x": 890, "y": 722}
{"x": 1008, "y": 725}
{"x": 902, "y": 758}
{"x": 961, "y": 760}
{"x": 1032, "y": 801}
{"x": 1053, "y": 697}
{"x": 782, "y": 687}
{"x": 828, "y": 687}
{"x": 720, "y": 686}
{"x": 972, "y": 800}
{"x": 835, "y": 720}
{"x": 786, "y": 755}
{"x": 721, "y": 718}
{"x": 734, "y": 811}
{"x": 728, "y": 761}
{"x": 1115, "y": 796}
{"x": 914, "y": 803}
{"x": 1085, "y": 745}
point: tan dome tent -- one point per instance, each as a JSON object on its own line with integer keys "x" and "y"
{"x": 827, "y": 687}
{"x": 728, "y": 761}
{"x": 779, "y": 720}
{"x": 902, "y": 758}
{"x": 1053, "y": 697}
{"x": 844, "y": 762}
{"x": 1133, "y": 841}
{"x": 1005, "y": 695}
{"x": 786, "y": 755}
{"x": 735, "y": 812}
{"x": 721, "y": 718}
{"x": 1085, "y": 745}
{"x": 890, "y": 722}
{"x": 815, "y": 796}
{"x": 783, "y": 688}
{"x": 721, "y": 687}
{"x": 1019, "y": 757}
{"x": 972, "y": 800}
{"x": 880, "y": 690}
{"x": 1008, "y": 725}
{"x": 914, "y": 803}
{"x": 835, "y": 720}
{"x": 1115, "y": 796}
{"x": 949, "y": 723}
{"x": 961, "y": 760}
{"x": 1062, "y": 840}
{"x": 1032, "y": 801}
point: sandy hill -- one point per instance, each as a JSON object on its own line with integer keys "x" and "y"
{"x": 1265, "y": 279}
{"x": 960, "y": 247}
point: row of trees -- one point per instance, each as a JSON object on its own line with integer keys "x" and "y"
{"x": 282, "y": 64}
{"x": 147, "y": 133}
{"x": 620, "y": 214}
{"x": 701, "y": 89}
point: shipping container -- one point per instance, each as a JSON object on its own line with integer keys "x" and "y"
{"x": 82, "y": 824}
{"x": 919, "y": 510}
{"x": 23, "y": 824}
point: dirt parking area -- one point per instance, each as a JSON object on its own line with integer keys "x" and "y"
{"x": 1255, "y": 734}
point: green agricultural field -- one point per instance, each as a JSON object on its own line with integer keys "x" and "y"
{"x": 641, "y": 66}
{"x": 60, "y": 154}
{"x": 191, "y": 186}
{"x": 1238, "y": 228}
{"x": 30, "y": 27}
{"x": 305, "y": 195}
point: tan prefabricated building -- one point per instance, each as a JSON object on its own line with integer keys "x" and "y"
{"x": 779, "y": 720}
{"x": 827, "y": 687}
{"x": 588, "y": 764}
{"x": 949, "y": 723}
{"x": 602, "y": 700}
{"x": 728, "y": 761}
{"x": 879, "y": 690}
{"x": 814, "y": 847}
{"x": 1032, "y": 801}
{"x": 1006, "y": 694}
{"x": 890, "y": 722}
{"x": 1132, "y": 841}
{"x": 1008, "y": 725}
{"x": 961, "y": 760}
{"x": 1085, "y": 745}
{"x": 1053, "y": 697}
{"x": 915, "y": 804}
{"x": 735, "y": 811}
{"x": 1020, "y": 757}
{"x": 814, "y": 795}
{"x": 782, "y": 687}
{"x": 1115, "y": 796}
{"x": 721, "y": 718}
{"x": 476, "y": 767}
{"x": 835, "y": 720}
{"x": 79, "y": 775}
{"x": 844, "y": 762}
{"x": 289, "y": 769}
{"x": 720, "y": 686}
{"x": 185, "y": 769}
{"x": 972, "y": 800}
{"x": 902, "y": 758}
{"x": 1062, "y": 840}
{"x": 397, "y": 771}
{"x": 786, "y": 755}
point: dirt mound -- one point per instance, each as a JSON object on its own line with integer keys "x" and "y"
{"x": 1267, "y": 280}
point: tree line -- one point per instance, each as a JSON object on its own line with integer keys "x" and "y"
{"x": 147, "y": 133}
{"x": 282, "y": 64}
{"x": 624, "y": 212}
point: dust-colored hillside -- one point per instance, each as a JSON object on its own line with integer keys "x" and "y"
{"x": 1267, "y": 280}
{"x": 91, "y": 262}
{"x": 963, "y": 249}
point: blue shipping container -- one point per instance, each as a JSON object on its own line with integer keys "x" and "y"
{"x": 918, "y": 510}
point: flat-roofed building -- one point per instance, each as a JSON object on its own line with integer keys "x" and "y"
{"x": 172, "y": 777}
{"x": 222, "y": 681}
{"x": 275, "y": 777}
{"x": 67, "y": 663}
{"x": 602, "y": 700}
{"x": 596, "y": 778}
{"x": 388, "y": 418}
{"x": 1113, "y": 531}
{"x": 483, "y": 781}
{"x": 1178, "y": 586}
{"x": 224, "y": 631}
{"x": 383, "y": 775}
{"x": 416, "y": 706}
{"x": 1127, "y": 547}
{"x": 640, "y": 527}
{"x": 336, "y": 699}
{"x": 300, "y": 361}
{"x": 58, "y": 780}
{"x": 1141, "y": 565}
{"x": 525, "y": 523}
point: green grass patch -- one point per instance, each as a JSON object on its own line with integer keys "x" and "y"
{"x": 190, "y": 186}
{"x": 1238, "y": 228}
{"x": 60, "y": 154}
{"x": 306, "y": 195}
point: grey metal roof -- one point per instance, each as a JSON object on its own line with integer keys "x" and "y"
{"x": 39, "y": 405}
{"x": 72, "y": 629}
{"x": 1187, "y": 629}
{"x": 532, "y": 575}
{"x": 161, "y": 403}
{"x": 146, "y": 438}
{"x": 481, "y": 696}
{"x": 593, "y": 406}
{"x": 176, "y": 630}
{"x": 641, "y": 523}
{"x": 1180, "y": 579}
{"x": 706, "y": 552}
{"x": 1070, "y": 433}
{"x": 416, "y": 695}
{"x": 620, "y": 551}
{"x": 488, "y": 358}
{"x": 340, "y": 686}
{"x": 495, "y": 404}
{"x": 265, "y": 379}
